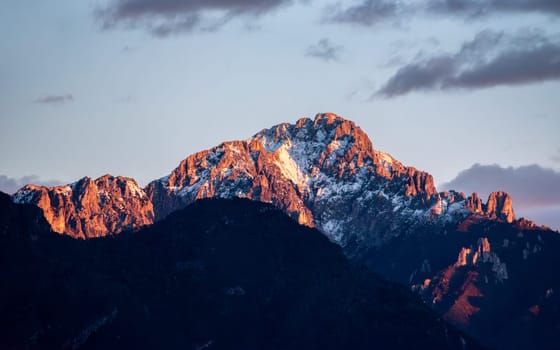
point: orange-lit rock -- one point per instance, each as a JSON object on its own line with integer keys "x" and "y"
{"x": 462, "y": 310}
{"x": 323, "y": 172}
{"x": 499, "y": 206}
{"x": 465, "y": 257}
{"x": 474, "y": 203}
{"x": 91, "y": 208}
{"x": 314, "y": 170}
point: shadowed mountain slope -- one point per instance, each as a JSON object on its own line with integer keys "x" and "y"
{"x": 220, "y": 274}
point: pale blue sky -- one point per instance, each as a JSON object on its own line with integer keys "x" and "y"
{"x": 141, "y": 103}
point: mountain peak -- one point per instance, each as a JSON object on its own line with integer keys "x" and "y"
{"x": 91, "y": 208}
{"x": 330, "y": 118}
{"x": 303, "y": 168}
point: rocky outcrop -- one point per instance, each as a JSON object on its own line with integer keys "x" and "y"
{"x": 474, "y": 204}
{"x": 471, "y": 256}
{"x": 420, "y": 183}
{"x": 499, "y": 206}
{"x": 91, "y": 208}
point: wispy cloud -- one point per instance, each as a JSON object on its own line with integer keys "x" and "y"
{"x": 478, "y": 8}
{"x": 366, "y": 13}
{"x": 373, "y": 12}
{"x": 167, "y": 17}
{"x": 490, "y": 59}
{"x": 325, "y": 50}
{"x": 55, "y": 99}
{"x": 10, "y": 185}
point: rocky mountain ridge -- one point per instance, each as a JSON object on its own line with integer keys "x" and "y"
{"x": 313, "y": 170}
{"x": 91, "y": 208}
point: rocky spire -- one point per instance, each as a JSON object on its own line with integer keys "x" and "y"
{"x": 499, "y": 206}
{"x": 474, "y": 204}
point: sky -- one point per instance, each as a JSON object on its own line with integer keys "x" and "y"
{"x": 131, "y": 87}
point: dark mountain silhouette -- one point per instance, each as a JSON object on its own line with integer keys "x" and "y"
{"x": 220, "y": 274}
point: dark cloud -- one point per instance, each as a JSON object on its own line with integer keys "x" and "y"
{"x": 55, "y": 99}
{"x": 10, "y": 185}
{"x": 325, "y": 50}
{"x": 167, "y": 17}
{"x": 490, "y": 59}
{"x": 366, "y": 13}
{"x": 531, "y": 186}
{"x": 477, "y": 8}
{"x": 372, "y": 12}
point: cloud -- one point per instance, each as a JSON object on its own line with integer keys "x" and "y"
{"x": 167, "y": 17}
{"x": 531, "y": 186}
{"x": 325, "y": 50}
{"x": 372, "y": 12}
{"x": 366, "y": 13}
{"x": 478, "y": 8}
{"x": 55, "y": 99}
{"x": 535, "y": 190}
{"x": 490, "y": 59}
{"x": 10, "y": 185}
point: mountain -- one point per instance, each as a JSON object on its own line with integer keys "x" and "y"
{"x": 91, "y": 208}
{"x": 324, "y": 173}
{"x": 220, "y": 274}
{"x": 501, "y": 287}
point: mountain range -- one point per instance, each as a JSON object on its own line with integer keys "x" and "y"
{"x": 484, "y": 270}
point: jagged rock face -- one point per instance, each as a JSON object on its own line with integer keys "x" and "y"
{"x": 91, "y": 208}
{"x": 323, "y": 172}
{"x": 499, "y": 206}
{"x": 474, "y": 204}
{"x": 495, "y": 285}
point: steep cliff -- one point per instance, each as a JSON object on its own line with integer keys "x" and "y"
{"x": 91, "y": 208}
